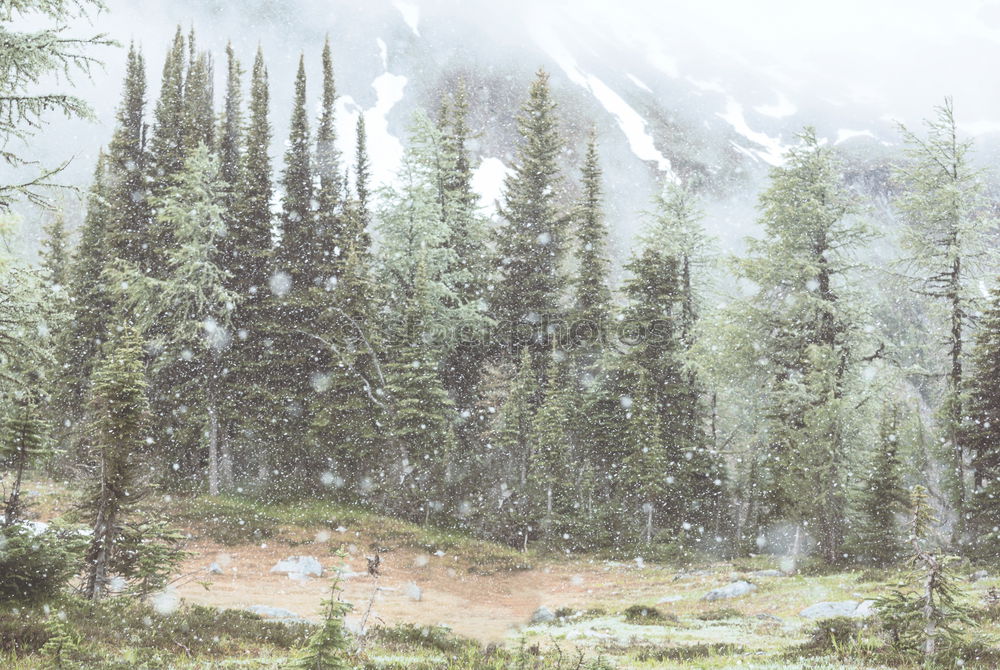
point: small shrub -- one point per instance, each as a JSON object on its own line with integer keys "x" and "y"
{"x": 408, "y": 635}
{"x": 36, "y": 568}
{"x": 644, "y": 615}
{"x": 720, "y": 614}
{"x": 687, "y": 652}
{"x": 833, "y": 634}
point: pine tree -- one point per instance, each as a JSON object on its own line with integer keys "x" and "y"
{"x": 467, "y": 238}
{"x": 188, "y": 313}
{"x": 231, "y": 130}
{"x": 643, "y": 484}
{"x": 30, "y": 57}
{"x": 55, "y": 253}
{"x": 198, "y": 115}
{"x": 531, "y": 242}
{"x": 166, "y": 146}
{"x": 591, "y": 294}
{"x": 982, "y": 431}
{"x": 79, "y": 345}
{"x": 22, "y": 442}
{"x": 61, "y": 644}
{"x": 329, "y": 195}
{"x": 929, "y": 621}
{"x": 550, "y": 481}
{"x": 120, "y": 415}
{"x": 802, "y": 340}
{"x": 128, "y": 231}
{"x": 328, "y": 647}
{"x": 512, "y": 439}
{"x": 940, "y": 203}
{"x": 882, "y": 499}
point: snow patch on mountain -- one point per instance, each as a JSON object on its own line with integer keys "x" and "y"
{"x": 772, "y": 150}
{"x": 385, "y": 149}
{"x": 411, "y": 15}
{"x": 488, "y": 181}
{"x": 638, "y": 82}
{"x": 383, "y": 52}
{"x": 632, "y": 125}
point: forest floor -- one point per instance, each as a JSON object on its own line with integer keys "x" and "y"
{"x": 488, "y": 593}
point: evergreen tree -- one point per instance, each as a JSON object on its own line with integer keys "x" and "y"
{"x": 188, "y": 313}
{"x": 591, "y": 294}
{"x": 127, "y": 235}
{"x": 231, "y": 130}
{"x": 940, "y": 203}
{"x": 198, "y": 115}
{"x": 23, "y": 442}
{"x": 328, "y": 647}
{"x": 55, "y": 253}
{"x": 30, "y": 57}
{"x": 120, "y": 415}
{"x": 329, "y": 194}
{"x": 550, "y": 481}
{"x": 802, "y": 340}
{"x": 982, "y": 430}
{"x": 467, "y": 238}
{"x": 643, "y": 484}
{"x": 531, "y": 241}
{"x": 79, "y": 345}
{"x": 166, "y": 146}
{"x": 882, "y": 499}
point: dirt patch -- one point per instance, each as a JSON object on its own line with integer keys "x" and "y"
{"x": 486, "y": 608}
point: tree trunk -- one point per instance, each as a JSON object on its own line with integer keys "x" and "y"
{"x": 12, "y": 509}
{"x": 101, "y": 545}
{"x": 213, "y": 450}
{"x": 226, "y": 461}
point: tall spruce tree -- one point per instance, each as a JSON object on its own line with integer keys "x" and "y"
{"x": 119, "y": 421}
{"x": 166, "y": 147}
{"x": 883, "y": 498}
{"x": 248, "y": 264}
{"x": 531, "y": 242}
{"x": 591, "y": 313}
{"x": 188, "y": 312}
{"x": 198, "y": 117}
{"x": 982, "y": 431}
{"x": 128, "y": 230}
{"x": 940, "y": 203}
{"x": 802, "y": 341}
{"x": 22, "y": 442}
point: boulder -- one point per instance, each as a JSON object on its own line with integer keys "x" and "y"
{"x": 542, "y": 615}
{"x": 414, "y": 592}
{"x": 215, "y": 569}
{"x": 828, "y": 610}
{"x": 734, "y": 590}
{"x": 865, "y": 609}
{"x": 978, "y": 575}
{"x": 299, "y": 566}
{"x": 767, "y": 573}
{"x": 275, "y": 613}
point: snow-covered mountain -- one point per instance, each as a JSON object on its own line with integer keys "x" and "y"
{"x": 672, "y": 95}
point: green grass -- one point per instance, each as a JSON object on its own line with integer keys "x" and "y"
{"x": 233, "y": 520}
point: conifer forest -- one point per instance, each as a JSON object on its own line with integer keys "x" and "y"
{"x": 520, "y": 355}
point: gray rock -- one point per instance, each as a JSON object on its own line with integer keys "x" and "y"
{"x": 865, "y": 609}
{"x": 299, "y": 565}
{"x": 978, "y": 575}
{"x": 414, "y": 592}
{"x": 828, "y": 610}
{"x": 734, "y": 590}
{"x": 276, "y": 613}
{"x": 543, "y": 615}
{"x": 215, "y": 569}
{"x": 767, "y": 573}
{"x": 764, "y": 616}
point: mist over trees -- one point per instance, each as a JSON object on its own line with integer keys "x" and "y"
{"x": 280, "y": 326}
